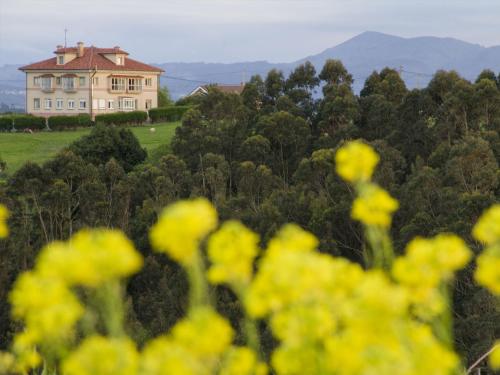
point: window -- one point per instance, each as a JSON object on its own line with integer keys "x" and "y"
{"x": 46, "y": 83}
{"x": 134, "y": 84}
{"x": 60, "y": 59}
{"x": 149, "y": 103}
{"x": 36, "y": 103}
{"x": 118, "y": 84}
{"x": 128, "y": 103}
{"x": 59, "y": 103}
{"x": 148, "y": 82}
{"x": 94, "y": 103}
{"x": 95, "y": 81}
{"x": 83, "y": 104}
{"x": 111, "y": 104}
{"x": 71, "y": 104}
{"x": 68, "y": 83}
{"x": 36, "y": 81}
{"x": 48, "y": 103}
{"x": 58, "y": 81}
{"x": 102, "y": 104}
{"x": 82, "y": 81}
{"x": 119, "y": 60}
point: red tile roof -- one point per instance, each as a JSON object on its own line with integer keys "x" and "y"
{"x": 92, "y": 59}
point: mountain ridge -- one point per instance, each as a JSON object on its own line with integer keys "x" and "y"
{"x": 420, "y": 57}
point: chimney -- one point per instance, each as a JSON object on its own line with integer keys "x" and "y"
{"x": 79, "y": 46}
{"x": 59, "y": 46}
{"x": 116, "y": 47}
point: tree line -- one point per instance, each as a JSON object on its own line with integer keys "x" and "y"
{"x": 265, "y": 157}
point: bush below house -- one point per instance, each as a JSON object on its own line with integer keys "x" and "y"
{"x": 5, "y": 123}
{"x": 23, "y": 122}
{"x": 170, "y": 114}
{"x": 69, "y": 122}
{"x": 122, "y": 118}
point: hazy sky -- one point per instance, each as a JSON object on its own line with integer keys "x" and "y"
{"x": 231, "y": 30}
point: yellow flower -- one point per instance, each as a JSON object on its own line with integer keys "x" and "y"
{"x": 242, "y": 361}
{"x": 4, "y": 214}
{"x": 181, "y": 227}
{"x": 487, "y": 229}
{"x": 194, "y": 346}
{"x": 495, "y": 357}
{"x": 203, "y": 332}
{"x": 99, "y": 355}
{"x": 48, "y": 308}
{"x": 90, "y": 258}
{"x": 162, "y": 356}
{"x": 294, "y": 238}
{"x": 356, "y": 161}
{"x": 488, "y": 269}
{"x": 232, "y": 251}
{"x": 374, "y": 206}
{"x": 427, "y": 264}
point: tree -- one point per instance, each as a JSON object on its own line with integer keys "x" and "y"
{"x": 288, "y": 136}
{"x": 387, "y": 84}
{"x": 335, "y": 73}
{"x": 487, "y": 74}
{"x": 275, "y": 86}
{"x": 104, "y": 143}
{"x": 164, "y": 99}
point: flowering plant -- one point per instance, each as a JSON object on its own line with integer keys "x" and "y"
{"x": 329, "y": 316}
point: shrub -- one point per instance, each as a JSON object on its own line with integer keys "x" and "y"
{"x": 29, "y": 122}
{"x": 173, "y": 113}
{"x": 5, "y": 123}
{"x": 68, "y": 122}
{"x": 122, "y": 118}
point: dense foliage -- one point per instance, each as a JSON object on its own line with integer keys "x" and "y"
{"x": 21, "y": 122}
{"x": 69, "y": 122}
{"x": 122, "y": 118}
{"x": 170, "y": 113}
{"x": 266, "y": 158}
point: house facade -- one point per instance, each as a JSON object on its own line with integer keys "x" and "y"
{"x": 90, "y": 80}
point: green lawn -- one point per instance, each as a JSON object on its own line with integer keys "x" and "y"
{"x": 18, "y": 148}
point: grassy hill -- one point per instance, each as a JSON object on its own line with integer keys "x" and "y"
{"x": 18, "y": 148}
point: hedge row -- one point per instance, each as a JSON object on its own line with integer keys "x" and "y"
{"x": 21, "y": 122}
{"x": 172, "y": 113}
{"x": 69, "y": 122}
{"x": 122, "y": 118}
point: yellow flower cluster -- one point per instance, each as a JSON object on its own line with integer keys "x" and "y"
{"x": 42, "y": 298}
{"x": 232, "y": 250}
{"x": 332, "y": 317}
{"x": 428, "y": 264}
{"x": 356, "y": 161}
{"x": 242, "y": 361}
{"x": 487, "y": 230}
{"x": 98, "y": 355}
{"x": 4, "y": 214}
{"x": 195, "y": 346}
{"x": 181, "y": 227}
{"x": 374, "y": 206}
{"x": 90, "y": 258}
{"x": 49, "y": 311}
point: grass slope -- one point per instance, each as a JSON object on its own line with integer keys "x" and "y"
{"x": 18, "y": 148}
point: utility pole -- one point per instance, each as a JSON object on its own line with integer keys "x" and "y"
{"x": 65, "y": 32}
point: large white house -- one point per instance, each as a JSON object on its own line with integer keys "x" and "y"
{"x": 90, "y": 80}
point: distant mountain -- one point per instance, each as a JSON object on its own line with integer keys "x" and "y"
{"x": 419, "y": 58}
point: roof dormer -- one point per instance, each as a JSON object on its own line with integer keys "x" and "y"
{"x": 116, "y": 55}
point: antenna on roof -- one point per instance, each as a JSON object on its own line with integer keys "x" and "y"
{"x": 65, "y": 32}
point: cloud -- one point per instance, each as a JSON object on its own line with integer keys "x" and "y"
{"x": 231, "y": 30}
